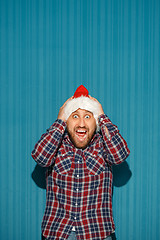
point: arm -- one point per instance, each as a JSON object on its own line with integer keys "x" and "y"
{"x": 46, "y": 148}
{"x": 116, "y": 146}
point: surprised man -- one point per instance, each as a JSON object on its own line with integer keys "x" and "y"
{"x": 78, "y": 151}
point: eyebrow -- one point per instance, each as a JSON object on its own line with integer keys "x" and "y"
{"x": 86, "y": 111}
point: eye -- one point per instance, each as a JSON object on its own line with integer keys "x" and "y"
{"x": 75, "y": 116}
{"x": 87, "y": 116}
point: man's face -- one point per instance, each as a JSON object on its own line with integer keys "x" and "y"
{"x": 81, "y": 126}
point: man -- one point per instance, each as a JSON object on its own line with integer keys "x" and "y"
{"x": 79, "y": 150}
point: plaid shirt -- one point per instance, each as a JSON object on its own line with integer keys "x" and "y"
{"x": 79, "y": 182}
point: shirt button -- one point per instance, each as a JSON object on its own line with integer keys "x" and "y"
{"x": 76, "y": 204}
{"x": 77, "y": 175}
{"x": 77, "y": 189}
{"x": 75, "y": 218}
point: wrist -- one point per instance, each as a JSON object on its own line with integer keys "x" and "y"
{"x": 61, "y": 118}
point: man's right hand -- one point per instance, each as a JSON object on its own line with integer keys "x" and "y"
{"x": 61, "y": 111}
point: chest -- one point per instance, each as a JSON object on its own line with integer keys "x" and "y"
{"x": 80, "y": 162}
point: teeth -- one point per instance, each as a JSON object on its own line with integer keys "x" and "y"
{"x": 81, "y": 131}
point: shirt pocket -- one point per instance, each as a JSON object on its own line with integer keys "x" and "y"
{"x": 63, "y": 163}
{"x": 95, "y": 163}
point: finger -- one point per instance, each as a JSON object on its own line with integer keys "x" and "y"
{"x": 67, "y": 101}
{"x": 92, "y": 98}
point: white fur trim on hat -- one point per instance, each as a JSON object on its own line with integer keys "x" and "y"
{"x": 83, "y": 103}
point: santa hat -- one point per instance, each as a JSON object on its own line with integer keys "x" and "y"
{"x": 81, "y": 100}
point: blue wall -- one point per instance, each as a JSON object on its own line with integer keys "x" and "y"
{"x": 47, "y": 49}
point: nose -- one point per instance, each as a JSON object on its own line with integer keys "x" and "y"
{"x": 81, "y": 122}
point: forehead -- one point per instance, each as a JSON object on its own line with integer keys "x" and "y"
{"x": 82, "y": 111}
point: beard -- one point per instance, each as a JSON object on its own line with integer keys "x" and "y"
{"x": 80, "y": 139}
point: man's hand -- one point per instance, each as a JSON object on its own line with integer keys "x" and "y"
{"x": 61, "y": 111}
{"x": 100, "y": 112}
{"x": 100, "y": 106}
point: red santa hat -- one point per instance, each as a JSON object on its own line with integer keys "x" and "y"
{"x": 81, "y": 100}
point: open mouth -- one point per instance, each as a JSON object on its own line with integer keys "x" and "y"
{"x": 81, "y": 134}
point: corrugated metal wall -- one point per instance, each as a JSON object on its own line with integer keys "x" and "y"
{"x": 48, "y": 48}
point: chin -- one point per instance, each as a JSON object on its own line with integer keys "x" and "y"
{"x": 81, "y": 147}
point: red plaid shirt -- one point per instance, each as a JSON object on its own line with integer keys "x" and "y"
{"x": 79, "y": 182}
